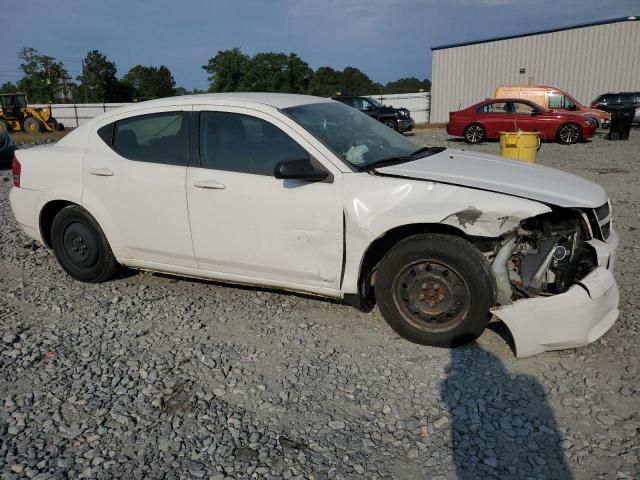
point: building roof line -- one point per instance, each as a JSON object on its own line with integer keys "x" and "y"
{"x": 539, "y": 32}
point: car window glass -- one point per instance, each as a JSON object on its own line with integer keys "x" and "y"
{"x": 608, "y": 99}
{"x": 495, "y": 107}
{"x": 626, "y": 98}
{"x": 158, "y": 138}
{"x": 240, "y": 143}
{"x": 522, "y": 108}
{"x": 557, "y": 100}
{"x": 359, "y": 103}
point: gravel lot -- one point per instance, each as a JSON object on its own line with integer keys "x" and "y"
{"x": 150, "y": 376}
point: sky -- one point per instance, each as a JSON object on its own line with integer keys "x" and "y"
{"x": 386, "y": 39}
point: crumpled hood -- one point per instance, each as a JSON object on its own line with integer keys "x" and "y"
{"x": 497, "y": 174}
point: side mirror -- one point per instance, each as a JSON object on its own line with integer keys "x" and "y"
{"x": 535, "y": 111}
{"x": 300, "y": 169}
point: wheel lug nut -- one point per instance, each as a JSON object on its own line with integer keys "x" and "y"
{"x": 436, "y": 287}
{"x": 441, "y": 297}
{"x": 421, "y": 297}
{"x": 432, "y": 304}
{"x": 424, "y": 286}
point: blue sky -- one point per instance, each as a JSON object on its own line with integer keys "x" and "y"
{"x": 387, "y": 39}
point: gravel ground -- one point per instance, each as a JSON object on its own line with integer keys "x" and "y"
{"x": 149, "y": 376}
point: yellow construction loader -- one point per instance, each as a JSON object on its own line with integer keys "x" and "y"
{"x": 16, "y": 115}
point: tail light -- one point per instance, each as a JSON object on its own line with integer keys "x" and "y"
{"x": 16, "y": 169}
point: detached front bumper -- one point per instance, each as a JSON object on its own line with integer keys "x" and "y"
{"x": 572, "y": 319}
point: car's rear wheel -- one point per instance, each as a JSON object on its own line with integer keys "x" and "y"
{"x": 81, "y": 247}
{"x": 569, "y": 133}
{"x": 435, "y": 289}
{"x": 474, "y": 133}
{"x": 391, "y": 123}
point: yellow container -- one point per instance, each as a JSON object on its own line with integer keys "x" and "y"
{"x": 521, "y": 146}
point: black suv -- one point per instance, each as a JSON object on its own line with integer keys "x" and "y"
{"x": 622, "y": 99}
{"x": 397, "y": 118}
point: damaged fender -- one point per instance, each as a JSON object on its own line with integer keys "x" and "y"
{"x": 572, "y": 319}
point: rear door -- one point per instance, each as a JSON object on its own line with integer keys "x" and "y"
{"x": 496, "y": 117}
{"x": 134, "y": 183}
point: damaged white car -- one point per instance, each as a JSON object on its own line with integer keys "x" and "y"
{"x": 307, "y": 194}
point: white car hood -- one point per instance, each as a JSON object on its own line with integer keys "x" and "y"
{"x": 497, "y": 174}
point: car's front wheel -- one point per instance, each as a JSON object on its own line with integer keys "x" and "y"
{"x": 81, "y": 247}
{"x": 391, "y": 123}
{"x": 435, "y": 290}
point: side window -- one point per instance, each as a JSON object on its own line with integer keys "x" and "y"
{"x": 240, "y": 143}
{"x": 495, "y": 107}
{"x": 627, "y": 98}
{"x": 156, "y": 138}
{"x": 557, "y": 100}
{"x": 522, "y": 108}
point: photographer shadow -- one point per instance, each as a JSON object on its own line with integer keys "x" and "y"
{"x": 502, "y": 426}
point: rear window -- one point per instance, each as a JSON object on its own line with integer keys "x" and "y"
{"x": 496, "y": 107}
{"x": 156, "y": 138}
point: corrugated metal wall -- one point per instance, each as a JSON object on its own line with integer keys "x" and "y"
{"x": 584, "y": 62}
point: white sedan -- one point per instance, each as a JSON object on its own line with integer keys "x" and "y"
{"x": 309, "y": 195}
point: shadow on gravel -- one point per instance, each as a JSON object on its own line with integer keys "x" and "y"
{"x": 502, "y": 426}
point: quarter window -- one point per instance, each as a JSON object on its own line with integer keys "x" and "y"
{"x": 240, "y": 143}
{"x": 157, "y": 138}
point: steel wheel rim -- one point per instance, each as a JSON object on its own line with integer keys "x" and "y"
{"x": 431, "y": 295}
{"x": 79, "y": 245}
{"x": 569, "y": 133}
{"x": 474, "y": 134}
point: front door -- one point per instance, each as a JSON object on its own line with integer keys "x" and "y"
{"x": 134, "y": 183}
{"x": 248, "y": 225}
{"x": 497, "y": 117}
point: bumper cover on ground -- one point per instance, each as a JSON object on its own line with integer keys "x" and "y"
{"x": 568, "y": 320}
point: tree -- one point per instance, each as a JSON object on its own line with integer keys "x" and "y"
{"x": 354, "y": 82}
{"x": 228, "y": 71}
{"x": 44, "y": 78}
{"x": 98, "y": 82}
{"x": 326, "y": 82}
{"x": 8, "y": 87}
{"x": 151, "y": 82}
{"x": 408, "y": 85}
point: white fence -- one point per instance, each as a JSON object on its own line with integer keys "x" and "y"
{"x": 419, "y": 104}
{"x": 75, "y": 114}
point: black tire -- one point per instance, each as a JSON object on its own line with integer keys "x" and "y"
{"x": 569, "y": 133}
{"x": 474, "y": 133}
{"x": 435, "y": 290}
{"x": 81, "y": 247}
{"x": 613, "y": 135}
{"x": 391, "y": 123}
{"x": 4, "y": 127}
{"x": 59, "y": 127}
{"x": 32, "y": 125}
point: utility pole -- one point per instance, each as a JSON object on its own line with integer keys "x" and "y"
{"x": 84, "y": 84}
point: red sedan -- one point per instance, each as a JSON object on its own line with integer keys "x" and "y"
{"x": 485, "y": 120}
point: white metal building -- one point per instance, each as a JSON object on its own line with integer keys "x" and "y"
{"x": 583, "y": 60}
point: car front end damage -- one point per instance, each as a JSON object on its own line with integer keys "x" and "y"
{"x": 555, "y": 288}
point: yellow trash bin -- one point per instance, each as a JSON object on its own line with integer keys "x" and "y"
{"x": 521, "y": 146}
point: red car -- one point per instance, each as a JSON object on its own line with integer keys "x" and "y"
{"x": 485, "y": 120}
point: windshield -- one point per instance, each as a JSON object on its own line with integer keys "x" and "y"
{"x": 355, "y": 137}
{"x": 375, "y": 102}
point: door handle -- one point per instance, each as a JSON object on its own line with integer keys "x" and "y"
{"x": 211, "y": 184}
{"x": 101, "y": 172}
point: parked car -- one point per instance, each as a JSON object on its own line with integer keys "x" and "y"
{"x": 485, "y": 120}
{"x": 554, "y": 99}
{"x": 306, "y": 194}
{"x": 398, "y": 119}
{"x": 609, "y": 101}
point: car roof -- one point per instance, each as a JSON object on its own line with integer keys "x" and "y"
{"x": 276, "y": 100}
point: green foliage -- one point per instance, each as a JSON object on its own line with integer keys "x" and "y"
{"x": 8, "y": 87}
{"x": 43, "y": 76}
{"x": 150, "y": 82}
{"x": 98, "y": 82}
{"x": 228, "y": 71}
{"x": 408, "y": 85}
{"x": 326, "y": 82}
